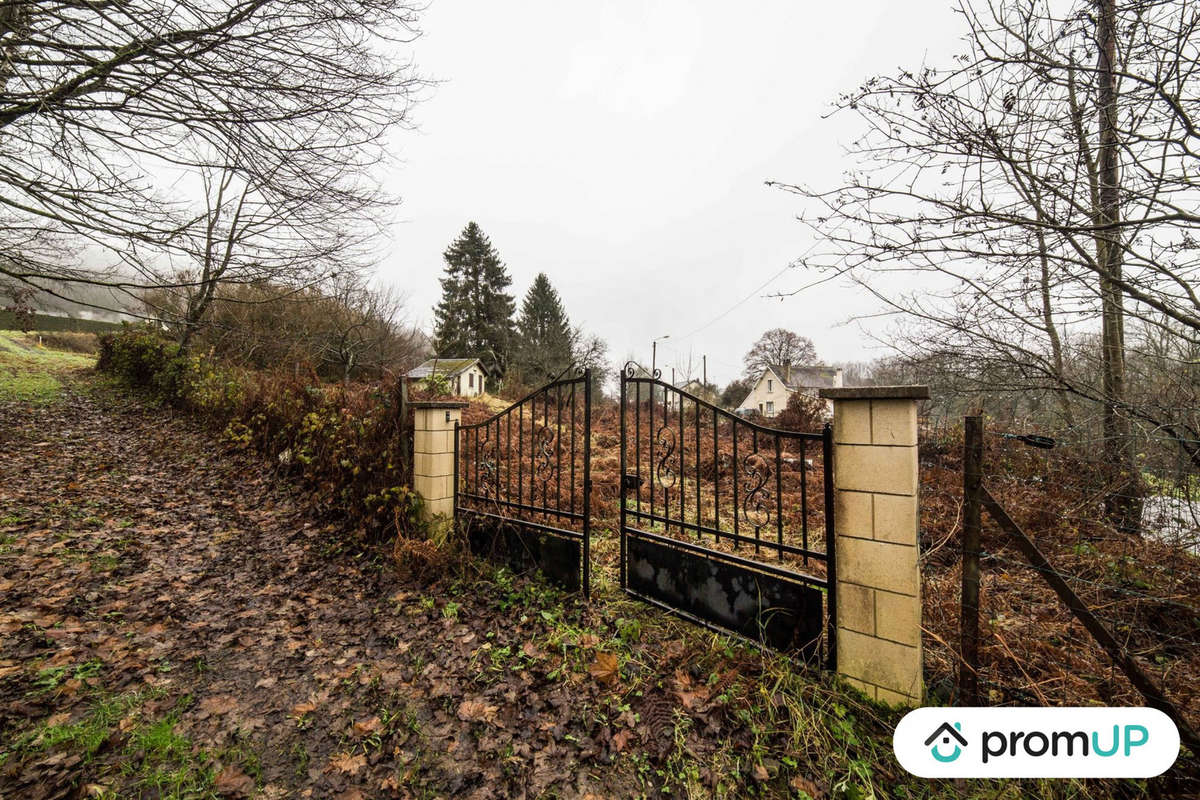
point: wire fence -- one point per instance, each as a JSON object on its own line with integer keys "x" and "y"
{"x": 1141, "y": 581}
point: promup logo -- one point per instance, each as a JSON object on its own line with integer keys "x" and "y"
{"x": 1036, "y": 742}
{"x": 946, "y": 733}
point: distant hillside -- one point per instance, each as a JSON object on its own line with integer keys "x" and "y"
{"x": 46, "y": 322}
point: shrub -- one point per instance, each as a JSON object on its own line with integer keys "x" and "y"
{"x": 66, "y": 341}
{"x": 803, "y": 413}
{"x": 350, "y": 445}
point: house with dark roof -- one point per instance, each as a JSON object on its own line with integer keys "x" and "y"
{"x": 778, "y": 382}
{"x": 466, "y": 376}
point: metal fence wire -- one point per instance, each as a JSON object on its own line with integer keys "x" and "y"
{"x": 1141, "y": 584}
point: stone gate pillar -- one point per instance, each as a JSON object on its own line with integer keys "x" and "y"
{"x": 875, "y": 504}
{"x": 433, "y": 454}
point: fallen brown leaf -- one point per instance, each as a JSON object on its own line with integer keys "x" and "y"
{"x": 605, "y": 668}
{"x": 802, "y": 784}
{"x": 300, "y": 709}
{"x": 232, "y": 782}
{"x": 218, "y": 704}
{"x": 348, "y": 763}
{"x": 476, "y": 711}
{"x": 365, "y": 727}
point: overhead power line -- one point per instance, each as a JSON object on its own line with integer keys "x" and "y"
{"x": 795, "y": 262}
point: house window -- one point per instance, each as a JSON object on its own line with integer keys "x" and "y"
{"x": 770, "y": 409}
{"x": 770, "y": 385}
{"x": 471, "y": 379}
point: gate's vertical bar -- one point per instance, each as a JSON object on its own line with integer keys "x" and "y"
{"x": 532, "y": 449}
{"x": 682, "y": 470}
{"x": 716, "y": 476}
{"x": 587, "y": 484}
{"x": 624, "y": 483}
{"x": 651, "y": 437}
{"x": 699, "y": 508}
{"x": 666, "y": 492}
{"x": 558, "y": 449}
{"x": 779, "y": 495}
{"x": 968, "y": 676}
{"x": 734, "y": 429}
{"x": 572, "y": 425}
{"x": 830, "y": 546}
{"x": 520, "y": 454}
{"x": 749, "y": 494}
{"x": 804, "y": 498}
{"x": 637, "y": 443}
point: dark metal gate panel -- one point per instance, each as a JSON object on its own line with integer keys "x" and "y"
{"x": 522, "y": 482}
{"x": 725, "y": 522}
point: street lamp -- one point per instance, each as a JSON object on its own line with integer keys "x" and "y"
{"x": 654, "y": 350}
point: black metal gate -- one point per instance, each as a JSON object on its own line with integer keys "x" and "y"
{"x": 718, "y": 523}
{"x": 523, "y": 480}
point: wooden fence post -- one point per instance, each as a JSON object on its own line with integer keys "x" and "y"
{"x": 968, "y": 668}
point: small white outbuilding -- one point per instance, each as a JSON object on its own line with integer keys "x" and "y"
{"x": 467, "y": 376}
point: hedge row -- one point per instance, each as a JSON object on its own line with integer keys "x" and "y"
{"x": 14, "y": 321}
{"x": 349, "y": 445}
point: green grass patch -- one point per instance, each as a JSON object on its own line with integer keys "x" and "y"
{"x": 32, "y": 374}
{"x": 133, "y": 752}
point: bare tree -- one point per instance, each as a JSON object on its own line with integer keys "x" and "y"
{"x": 105, "y": 106}
{"x": 780, "y": 347}
{"x": 251, "y": 234}
{"x": 1040, "y": 188}
{"x": 589, "y": 351}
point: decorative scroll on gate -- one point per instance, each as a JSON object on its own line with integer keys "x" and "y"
{"x": 724, "y": 521}
{"x": 522, "y": 480}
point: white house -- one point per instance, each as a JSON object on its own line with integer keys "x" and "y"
{"x": 778, "y": 382}
{"x": 692, "y": 387}
{"x": 466, "y": 376}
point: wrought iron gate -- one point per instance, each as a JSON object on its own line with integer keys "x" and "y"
{"x": 718, "y": 523}
{"x": 522, "y": 482}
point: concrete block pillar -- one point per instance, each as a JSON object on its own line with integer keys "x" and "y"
{"x": 875, "y": 508}
{"x": 433, "y": 454}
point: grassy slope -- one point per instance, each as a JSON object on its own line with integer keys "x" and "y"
{"x": 32, "y": 374}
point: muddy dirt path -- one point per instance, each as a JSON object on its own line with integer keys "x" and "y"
{"x": 173, "y": 622}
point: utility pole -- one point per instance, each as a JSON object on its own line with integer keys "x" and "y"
{"x": 654, "y": 352}
{"x": 704, "y": 361}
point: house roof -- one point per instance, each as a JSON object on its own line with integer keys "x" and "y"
{"x": 449, "y": 367}
{"x": 816, "y": 376}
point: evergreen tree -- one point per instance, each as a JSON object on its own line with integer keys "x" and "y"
{"x": 474, "y": 317}
{"x": 544, "y": 342}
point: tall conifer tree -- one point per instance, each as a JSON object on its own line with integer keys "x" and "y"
{"x": 475, "y": 316}
{"x": 544, "y": 341}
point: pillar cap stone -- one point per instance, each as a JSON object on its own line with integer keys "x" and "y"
{"x": 877, "y": 393}
{"x": 439, "y": 404}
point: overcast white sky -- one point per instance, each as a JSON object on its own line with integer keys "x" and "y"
{"x": 621, "y": 148}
